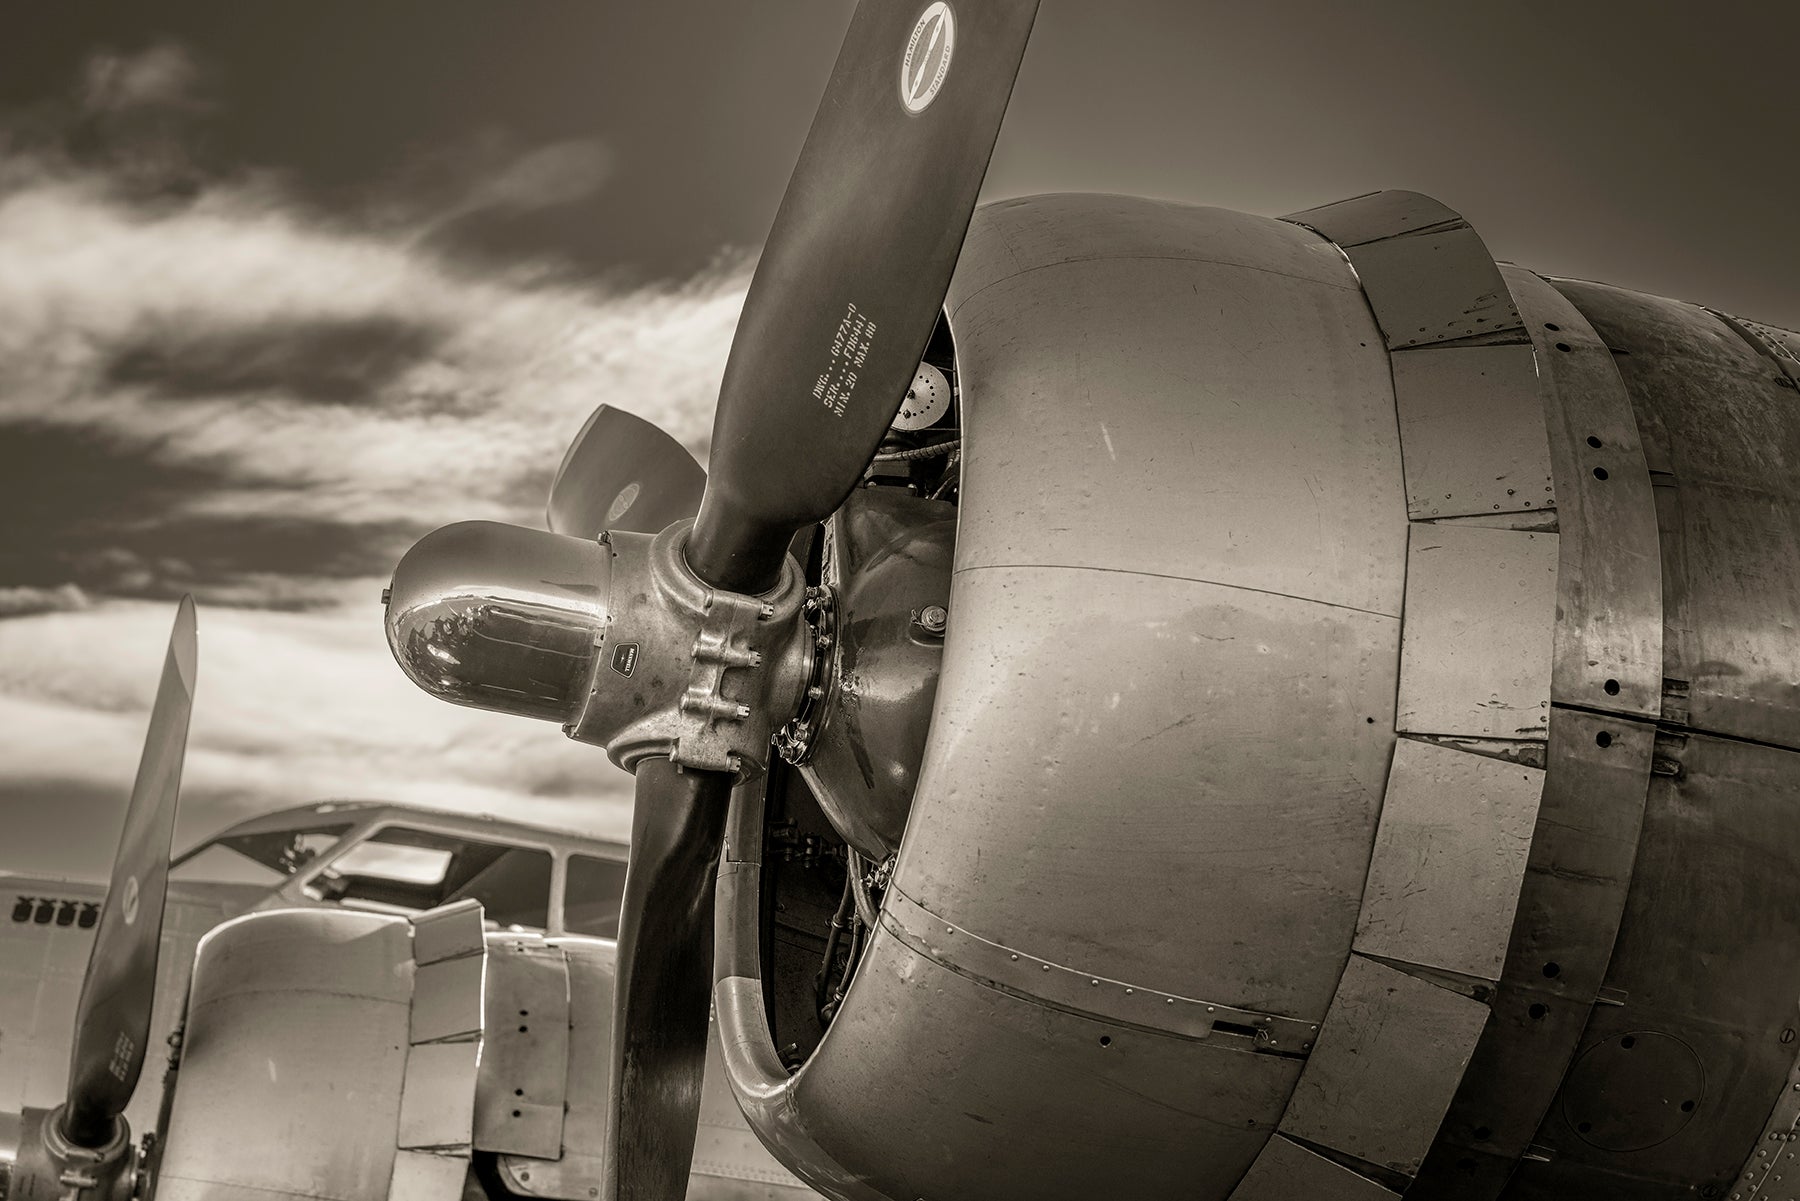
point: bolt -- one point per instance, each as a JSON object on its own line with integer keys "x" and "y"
{"x": 933, "y": 618}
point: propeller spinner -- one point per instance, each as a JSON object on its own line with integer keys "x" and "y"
{"x": 84, "y": 1144}
{"x": 682, "y": 653}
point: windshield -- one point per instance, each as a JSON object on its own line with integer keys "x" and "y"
{"x": 266, "y": 858}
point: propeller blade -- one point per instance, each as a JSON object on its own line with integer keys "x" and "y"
{"x": 112, "y": 1021}
{"x": 623, "y": 473}
{"x": 854, "y": 272}
{"x": 660, "y": 1008}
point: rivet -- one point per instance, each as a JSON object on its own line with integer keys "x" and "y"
{"x": 1094, "y": 983}
{"x": 1015, "y": 957}
{"x": 1046, "y": 967}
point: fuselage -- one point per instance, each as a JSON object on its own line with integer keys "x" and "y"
{"x": 382, "y": 859}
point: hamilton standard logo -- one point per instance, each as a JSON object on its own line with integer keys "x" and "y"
{"x": 927, "y": 58}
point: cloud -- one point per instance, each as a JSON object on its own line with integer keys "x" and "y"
{"x": 210, "y": 383}
{"x": 163, "y": 75}
{"x": 289, "y": 708}
{"x": 24, "y": 601}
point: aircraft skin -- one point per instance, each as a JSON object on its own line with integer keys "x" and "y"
{"x": 1367, "y": 746}
{"x": 44, "y": 947}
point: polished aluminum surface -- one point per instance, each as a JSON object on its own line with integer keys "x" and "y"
{"x": 521, "y": 1088}
{"x": 1428, "y": 276}
{"x": 1206, "y": 399}
{"x": 1390, "y": 1055}
{"x": 500, "y": 617}
{"x": 1476, "y": 642}
{"x": 916, "y": 1043}
{"x": 1472, "y": 431}
{"x": 1151, "y": 594}
{"x": 290, "y": 1078}
{"x": 1608, "y": 645}
{"x": 436, "y": 1102}
{"x": 1722, "y": 437}
{"x": 1572, "y": 900}
{"x": 1449, "y": 857}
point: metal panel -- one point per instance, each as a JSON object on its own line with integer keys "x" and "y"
{"x": 1570, "y": 904}
{"x": 1136, "y": 378}
{"x": 1608, "y": 645}
{"x": 1471, "y": 431}
{"x": 291, "y": 1071}
{"x": 1708, "y": 977}
{"x": 1097, "y": 997}
{"x": 588, "y": 1081}
{"x": 424, "y": 1176}
{"x": 448, "y": 931}
{"x": 446, "y": 999}
{"x": 1435, "y": 286}
{"x": 437, "y": 1100}
{"x": 1781, "y": 346}
{"x": 1031, "y": 233}
{"x": 520, "y": 1088}
{"x": 1286, "y": 1171}
{"x": 1476, "y": 640}
{"x": 1709, "y": 406}
{"x": 1776, "y": 1157}
{"x": 1242, "y": 720}
{"x": 1449, "y": 858}
{"x": 1390, "y": 1055}
{"x": 948, "y": 1068}
{"x": 1376, "y": 215}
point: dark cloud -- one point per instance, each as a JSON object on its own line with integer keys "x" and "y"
{"x": 95, "y": 518}
{"x": 336, "y": 361}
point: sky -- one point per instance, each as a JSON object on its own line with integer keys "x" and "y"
{"x": 283, "y": 286}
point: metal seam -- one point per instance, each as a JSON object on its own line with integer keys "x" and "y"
{"x": 1054, "y": 986}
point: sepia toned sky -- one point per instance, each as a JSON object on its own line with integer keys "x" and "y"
{"x": 284, "y": 285}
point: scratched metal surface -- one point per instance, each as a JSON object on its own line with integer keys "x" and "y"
{"x": 1607, "y": 655}
{"x": 1428, "y": 276}
{"x": 1608, "y": 648}
{"x": 950, "y": 1070}
{"x": 1476, "y": 645}
{"x": 291, "y": 1013}
{"x": 1723, "y": 440}
{"x": 1570, "y": 906}
{"x": 1472, "y": 430}
{"x": 1286, "y": 1170}
{"x": 1178, "y": 391}
{"x": 1449, "y": 857}
{"x": 1708, "y": 978}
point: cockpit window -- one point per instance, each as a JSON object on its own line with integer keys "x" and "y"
{"x": 591, "y": 899}
{"x": 398, "y": 868}
{"x": 257, "y": 858}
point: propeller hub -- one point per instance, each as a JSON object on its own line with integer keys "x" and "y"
{"x": 617, "y": 639}
{"x": 53, "y": 1167}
